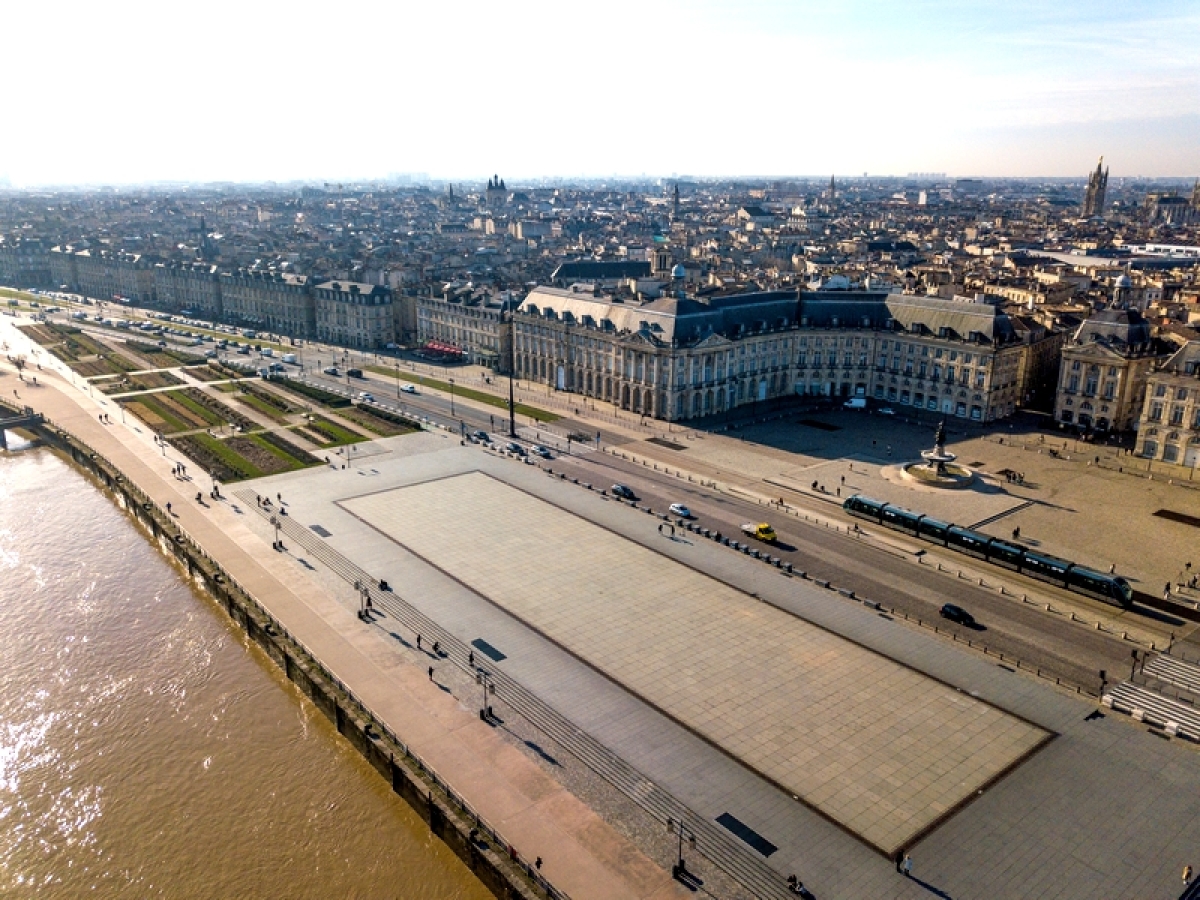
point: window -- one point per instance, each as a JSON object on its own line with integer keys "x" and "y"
{"x": 1110, "y": 389}
{"x": 1160, "y": 390}
{"x": 1156, "y": 412}
{"x": 1181, "y": 393}
{"x": 1073, "y": 383}
{"x": 1075, "y": 365}
{"x": 1176, "y": 415}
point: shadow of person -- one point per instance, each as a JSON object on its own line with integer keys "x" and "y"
{"x": 937, "y": 892}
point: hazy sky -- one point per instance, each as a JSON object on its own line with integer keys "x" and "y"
{"x": 125, "y": 90}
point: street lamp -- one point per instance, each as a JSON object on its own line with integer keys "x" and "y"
{"x": 512, "y": 365}
{"x": 484, "y": 679}
{"x": 278, "y": 545}
{"x": 676, "y": 826}
{"x": 451, "y": 397}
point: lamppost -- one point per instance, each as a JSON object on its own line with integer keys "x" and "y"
{"x": 484, "y": 679}
{"x": 278, "y": 545}
{"x": 512, "y": 366}
{"x": 397, "y": 379}
{"x": 677, "y": 827}
{"x": 451, "y": 380}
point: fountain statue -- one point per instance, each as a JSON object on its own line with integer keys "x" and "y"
{"x": 938, "y": 468}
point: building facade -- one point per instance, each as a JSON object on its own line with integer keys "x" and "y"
{"x": 678, "y": 357}
{"x": 104, "y": 274}
{"x": 188, "y": 286}
{"x": 353, "y": 314}
{"x": 1105, "y": 367}
{"x": 270, "y": 301}
{"x": 1169, "y": 429}
{"x": 25, "y": 263}
{"x": 471, "y": 319}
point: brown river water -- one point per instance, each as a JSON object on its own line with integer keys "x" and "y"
{"x": 148, "y": 750}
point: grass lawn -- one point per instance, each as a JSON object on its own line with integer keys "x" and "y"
{"x": 469, "y": 393}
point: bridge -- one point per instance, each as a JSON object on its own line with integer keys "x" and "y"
{"x": 26, "y": 419}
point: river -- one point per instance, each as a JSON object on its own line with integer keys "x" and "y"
{"x": 147, "y": 749}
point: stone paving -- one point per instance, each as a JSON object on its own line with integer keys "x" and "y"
{"x": 810, "y": 711}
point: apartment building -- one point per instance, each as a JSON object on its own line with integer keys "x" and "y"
{"x": 1170, "y": 417}
{"x": 270, "y": 301}
{"x": 353, "y": 314}
{"x": 193, "y": 286}
{"x": 104, "y": 274}
{"x": 469, "y": 318}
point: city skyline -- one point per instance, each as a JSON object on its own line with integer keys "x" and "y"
{"x": 788, "y": 89}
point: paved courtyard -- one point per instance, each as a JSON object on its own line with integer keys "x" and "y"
{"x": 814, "y": 713}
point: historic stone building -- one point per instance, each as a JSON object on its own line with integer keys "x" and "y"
{"x": 271, "y": 301}
{"x": 1170, "y": 421}
{"x": 188, "y": 286}
{"x": 469, "y": 318}
{"x": 353, "y": 314}
{"x": 681, "y": 357}
{"x": 104, "y": 274}
{"x": 1105, "y": 365}
{"x": 25, "y": 263}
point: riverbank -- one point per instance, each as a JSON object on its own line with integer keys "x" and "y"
{"x": 452, "y": 768}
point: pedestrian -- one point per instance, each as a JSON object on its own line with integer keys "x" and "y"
{"x": 1016, "y": 534}
{"x": 906, "y": 866}
{"x": 537, "y": 864}
{"x": 1167, "y": 591}
{"x": 431, "y": 673}
{"x": 1187, "y": 874}
{"x": 437, "y": 648}
{"x": 418, "y": 642}
{"x": 843, "y": 479}
{"x": 1112, "y": 569}
{"x": 169, "y": 510}
{"x": 898, "y": 859}
{"x": 471, "y": 658}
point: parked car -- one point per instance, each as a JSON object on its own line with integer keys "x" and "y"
{"x": 481, "y": 436}
{"x": 366, "y": 396}
{"x": 408, "y": 388}
{"x": 354, "y": 373}
{"x": 957, "y": 614}
{"x": 514, "y": 447}
{"x": 543, "y": 452}
{"x": 624, "y": 492}
{"x": 678, "y": 509}
{"x": 331, "y": 370}
{"x": 886, "y": 411}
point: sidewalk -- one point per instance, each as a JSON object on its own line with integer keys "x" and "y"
{"x": 584, "y": 856}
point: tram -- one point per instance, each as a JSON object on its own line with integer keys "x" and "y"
{"x": 1060, "y": 572}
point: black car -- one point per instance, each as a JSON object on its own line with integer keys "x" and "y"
{"x": 481, "y": 436}
{"x": 514, "y": 447}
{"x": 957, "y": 614}
{"x": 354, "y": 373}
{"x": 624, "y": 492}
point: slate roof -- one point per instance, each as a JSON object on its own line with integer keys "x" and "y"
{"x": 593, "y": 269}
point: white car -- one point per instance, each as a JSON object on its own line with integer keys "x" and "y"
{"x": 678, "y": 509}
{"x": 886, "y": 411}
{"x": 366, "y": 397}
{"x": 408, "y": 388}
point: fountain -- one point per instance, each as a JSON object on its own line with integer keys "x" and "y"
{"x": 939, "y": 468}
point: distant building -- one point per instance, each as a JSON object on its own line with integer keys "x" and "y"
{"x": 1170, "y": 422}
{"x": 190, "y": 286}
{"x": 1097, "y": 186}
{"x": 470, "y": 319}
{"x": 603, "y": 273}
{"x": 25, "y": 262}
{"x": 104, "y": 274}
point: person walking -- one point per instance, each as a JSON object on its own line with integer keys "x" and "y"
{"x": 906, "y": 866}
{"x": 898, "y": 859}
{"x": 431, "y": 673}
{"x": 1187, "y": 874}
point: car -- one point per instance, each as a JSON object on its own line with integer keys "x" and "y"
{"x": 354, "y": 373}
{"x": 514, "y": 447}
{"x": 366, "y": 396}
{"x": 481, "y": 436}
{"x": 678, "y": 509}
{"x": 543, "y": 452}
{"x": 855, "y": 403}
{"x": 957, "y": 614}
{"x": 623, "y": 491}
{"x": 886, "y": 411}
{"x": 244, "y": 351}
{"x": 408, "y": 388}
{"x": 331, "y": 370}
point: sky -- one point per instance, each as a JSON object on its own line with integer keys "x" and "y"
{"x": 130, "y": 91}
